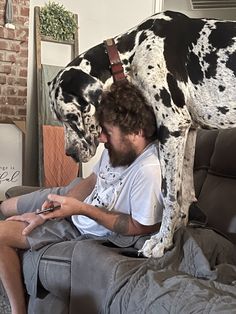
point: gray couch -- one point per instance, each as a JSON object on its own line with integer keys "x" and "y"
{"x": 97, "y": 276}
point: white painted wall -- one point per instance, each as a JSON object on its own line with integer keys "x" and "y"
{"x": 98, "y": 20}
{"x": 185, "y": 7}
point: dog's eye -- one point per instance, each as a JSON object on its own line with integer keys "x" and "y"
{"x": 86, "y": 109}
{"x": 72, "y": 117}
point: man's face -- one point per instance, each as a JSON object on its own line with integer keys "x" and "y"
{"x": 120, "y": 146}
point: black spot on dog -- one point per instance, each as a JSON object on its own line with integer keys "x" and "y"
{"x": 56, "y": 93}
{"x": 131, "y": 58}
{"x": 72, "y": 117}
{"x": 142, "y": 37}
{"x": 72, "y": 83}
{"x": 177, "y": 46}
{"x": 165, "y": 97}
{"x": 223, "y": 35}
{"x": 211, "y": 60}
{"x": 127, "y": 43}
{"x": 145, "y": 25}
{"x": 231, "y": 63}
{"x": 94, "y": 96}
{"x": 194, "y": 69}
{"x": 221, "y": 88}
{"x": 175, "y": 133}
{"x": 99, "y": 62}
{"x": 150, "y": 67}
{"x": 223, "y": 110}
{"x": 163, "y": 134}
{"x": 157, "y": 97}
{"x": 164, "y": 186}
{"x": 67, "y": 97}
{"x": 176, "y": 93}
{"x": 80, "y": 132}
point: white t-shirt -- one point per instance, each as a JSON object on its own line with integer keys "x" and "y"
{"x": 134, "y": 190}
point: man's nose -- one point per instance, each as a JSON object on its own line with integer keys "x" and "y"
{"x": 102, "y": 137}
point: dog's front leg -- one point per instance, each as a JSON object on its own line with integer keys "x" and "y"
{"x": 172, "y": 160}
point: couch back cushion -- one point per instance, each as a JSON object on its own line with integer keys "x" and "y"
{"x": 215, "y": 178}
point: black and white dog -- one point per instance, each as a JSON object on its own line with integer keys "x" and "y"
{"x": 186, "y": 69}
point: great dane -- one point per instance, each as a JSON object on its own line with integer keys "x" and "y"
{"x": 186, "y": 69}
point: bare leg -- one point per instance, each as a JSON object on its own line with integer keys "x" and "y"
{"x": 10, "y": 269}
{"x": 9, "y": 207}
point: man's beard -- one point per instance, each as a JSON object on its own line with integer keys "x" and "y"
{"x": 121, "y": 158}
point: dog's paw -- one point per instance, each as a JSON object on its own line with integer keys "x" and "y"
{"x": 147, "y": 248}
{"x": 155, "y": 246}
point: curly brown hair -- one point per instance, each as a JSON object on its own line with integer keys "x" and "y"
{"x": 125, "y": 106}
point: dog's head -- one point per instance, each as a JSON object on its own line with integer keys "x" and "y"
{"x": 74, "y": 96}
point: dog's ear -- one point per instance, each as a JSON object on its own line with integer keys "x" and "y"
{"x": 82, "y": 86}
{"x": 93, "y": 93}
{"x": 74, "y": 81}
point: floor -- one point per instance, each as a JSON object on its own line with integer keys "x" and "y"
{"x": 4, "y": 305}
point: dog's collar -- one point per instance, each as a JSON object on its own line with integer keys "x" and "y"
{"x": 116, "y": 67}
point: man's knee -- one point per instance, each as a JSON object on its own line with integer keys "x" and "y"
{"x": 9, "y": 207}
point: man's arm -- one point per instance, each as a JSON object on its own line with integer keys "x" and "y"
{"x": 79, "y": 192}
{"x": 113, "y": 220}
{"x": 83, "y": 188}
{"x": 117, "y": 222}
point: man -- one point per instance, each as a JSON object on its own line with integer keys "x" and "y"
{"x": 122, "y": 195}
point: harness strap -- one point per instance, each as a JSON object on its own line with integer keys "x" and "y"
{"x": 117, "y": 70}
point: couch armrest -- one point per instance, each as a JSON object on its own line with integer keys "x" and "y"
{"x": 20, "y": 190}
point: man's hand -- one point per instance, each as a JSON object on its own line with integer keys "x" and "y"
{"x": 31, "y": 219}
{"x": 68, "y": 206}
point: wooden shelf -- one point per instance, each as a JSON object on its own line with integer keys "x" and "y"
{"x": 51, "y": 39}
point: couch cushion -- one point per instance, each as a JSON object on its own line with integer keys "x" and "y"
{"x": 223, "y": 160}
{"x": 205, "y": 144}
{"x": 217, "y": 200}
{"x": 95, "y": 267}
{"x": 55, "y": 268}
{"x": 49, "y": 270}
{"x": 217, "y": 195}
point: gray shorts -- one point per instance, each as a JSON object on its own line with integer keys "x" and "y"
{"x": 52, "y": 231}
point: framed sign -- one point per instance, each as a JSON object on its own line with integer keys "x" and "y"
{"x": 11, "y": 153}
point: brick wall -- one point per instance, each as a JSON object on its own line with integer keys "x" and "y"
{"x": 14, "y": 61}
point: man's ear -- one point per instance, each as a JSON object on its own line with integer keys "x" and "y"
{"x": 136, "y": 135}
{"x": 140, "y": 133}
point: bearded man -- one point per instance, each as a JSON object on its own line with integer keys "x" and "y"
{"x": 121, "y": 196}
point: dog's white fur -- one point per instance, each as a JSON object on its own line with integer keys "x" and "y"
{"x": 186, "y": 70}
